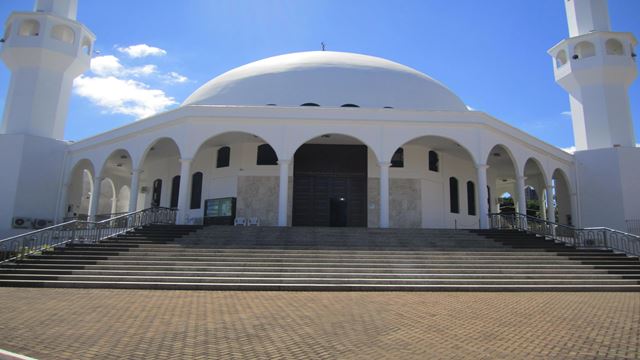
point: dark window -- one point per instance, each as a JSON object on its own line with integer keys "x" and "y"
{"x": 175, "y": 190}
{"x": 224, "y": 153}
{"x": 309, "y": 104}
{"x": 157, "y": 193}
{"x": 196, "y": 190}
{"x": 397, "y": 160}
{"x": 434, "y": 161}
{"x": 350, "y": 105}
{"x": 453, "y": 195}
{"x": 471, "y": 198}
{"x": 266, "y": 155}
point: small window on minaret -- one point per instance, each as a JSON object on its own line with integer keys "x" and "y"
{"x": 63, "y": 33}
{"x": 584, "y": 49}
{"x": 614, "y": 47}
{"x": 86, "y": 46}
{"x": 29, "y": 27}
{"x": 561, "y": 58}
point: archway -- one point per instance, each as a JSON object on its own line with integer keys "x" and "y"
{"x": 117, "y": 169}
{"x": 562, "y": 195}
{"x": 122, "y": 204}
{"x": 432, "y": 184}
{"x": 538, "y": 197}
{"x": 501, "y": 179}
{"x": 161, "y": 161}
{"x": 330, "y": 182}
{"x": 238, "y": 173}
{"x": 80, "y": 191}
{"x": 107, "y": 202}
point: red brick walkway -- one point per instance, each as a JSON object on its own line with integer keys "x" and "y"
{"x": 130, "y": 324}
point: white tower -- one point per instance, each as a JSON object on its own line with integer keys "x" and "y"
{"x": 596, "y": 66}
{"x": 45, "y": 50}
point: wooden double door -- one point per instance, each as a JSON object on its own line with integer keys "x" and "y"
{"x": 330, "y": 185}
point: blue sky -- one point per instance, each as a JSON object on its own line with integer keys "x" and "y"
{"x": 491, "y": 53}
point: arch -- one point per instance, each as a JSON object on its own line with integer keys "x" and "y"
{"x": 563, "y": 198}
{"x": 296, "y": 145}
{"x": 80, "y": 180}
{"x": 561, "y": 58}
{"x": 614, "y": 47}
{"x": 119, "y": 158}
{"x": 196, "y": 190}
{"x": 225, "y": 138}
{"x": 29, "y": 27}
{"x": 454, "y": 196}
{"x": 166, "y": 141}
{"x": 63, "y": 33}
{"x": 456, "y": 143}
{"x": 502, "y": 175}
{"x": 506, "y": 151}
{"x": 310, "y": 104}
{"x": 350, "y": 105}
{"x": 86, "y": 45}
{"x": 584, "y": 49}
{"x": 538, "y": 166}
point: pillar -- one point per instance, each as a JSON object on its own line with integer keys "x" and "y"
{"x": 522, "y": 198}
{"x": 551, "y": 208}
{"x": 95, "y": 198}
{"x": 574, "y": 210}
{"x": 283, "y": 195}
{"x": 482, "y": 195}
{"x": 135, "y": 187}
{"x": 183, "y": 192}
{"x": 384, "y": 194}
{"x": 64, "y": 203}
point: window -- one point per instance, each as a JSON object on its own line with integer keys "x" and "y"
{"x": 175, "y": 191}
{"x": 196, "y": 190}
{"x": 471, "y": 198}
{"x": 309, "y": 104}
{"x": 86, "y": 46}
{"x": 350, "y": 105}
{"x": 453, "y": 195}
{"x": 63, "y": 33}
{"x": 397, "y": 160}
{"x": 29, "y": 28}
{"x": 266, "y": 155}
{"x": 434, "y": 161}
{"x": 561, "y": 58}
{"x": 614, "y": 47}
{"x": 224, "y": 153}
{"x": 157, "y": 193}
{"x": 584, "y": 49}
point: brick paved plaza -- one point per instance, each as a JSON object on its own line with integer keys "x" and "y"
{"x": 118, "y": 324}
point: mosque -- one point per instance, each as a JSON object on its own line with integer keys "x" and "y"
{"x": 316, "y": 138}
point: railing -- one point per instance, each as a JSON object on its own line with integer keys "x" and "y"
{"x": 601, "y": 237}
{"x": 78, "y": 231}
{"x": 633, "y": 226}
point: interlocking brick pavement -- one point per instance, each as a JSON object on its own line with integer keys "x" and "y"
{"x": 136, "y": 324}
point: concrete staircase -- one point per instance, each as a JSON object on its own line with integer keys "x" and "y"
{"x": 339, "y": 259}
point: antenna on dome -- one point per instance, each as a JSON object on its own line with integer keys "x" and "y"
{"x": 323, "y": 46}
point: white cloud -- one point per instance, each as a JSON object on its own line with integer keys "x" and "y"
{"x": 570, "y": 150}
{"x": 109, "y": 65}
{"x": 142, "y": 50}
{"x": 566, "y": 113}
{"x": 122, "y": 96}
{"x": 173, "y": 77}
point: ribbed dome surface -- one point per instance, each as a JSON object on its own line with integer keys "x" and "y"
{"x": 329, "y": 79}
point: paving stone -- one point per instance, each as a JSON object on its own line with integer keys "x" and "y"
{"x": 135, "y": 324}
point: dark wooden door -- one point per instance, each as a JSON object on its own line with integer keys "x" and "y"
{"x": 330, "y": 178}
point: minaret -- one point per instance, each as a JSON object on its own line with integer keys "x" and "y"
{"x": 45, "y": 50}
{"x": 596, "y": 67}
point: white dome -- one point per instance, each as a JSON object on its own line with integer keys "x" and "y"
{"x": 329, "y": 79}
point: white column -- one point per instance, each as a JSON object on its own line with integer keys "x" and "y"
{"x": 135, "y": 187}
{"x": 551, "y": 208}
{"x": 95, "y": 198}
{"x": 522, "y": 198}
{"x": 183, "y": 193}
{"x": 384, "y": 194}
{"x": 114, "y": 203}
{"x": 64, "y": 203}
{"x": 482, "y": 195}
{"x": 283, "y": 195}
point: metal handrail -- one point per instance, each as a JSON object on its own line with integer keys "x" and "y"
{"x": 597, "y": 237}
{"x": 79, "y": 231}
